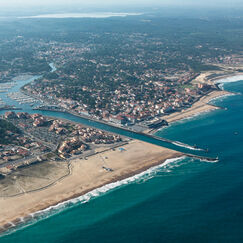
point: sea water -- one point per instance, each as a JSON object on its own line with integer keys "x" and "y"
{"x": 184, "y": 200}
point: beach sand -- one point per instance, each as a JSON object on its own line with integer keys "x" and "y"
{"x": 86, "y": 175}
{"x": 200, "y": 106}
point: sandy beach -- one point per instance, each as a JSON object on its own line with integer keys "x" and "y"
{"x": 85, "y": 176}
{"x": 212, "y": 77}
{"x": 93, "y": 172}
{"x": 202, "y": 106}
{"x": 199, "y": 107}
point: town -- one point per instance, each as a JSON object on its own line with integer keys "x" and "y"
{"x": 131, "y": 89}
{"x": 34, "y": 138}
{"x": 122, "y": 77}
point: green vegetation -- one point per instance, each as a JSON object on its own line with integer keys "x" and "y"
{"x": 138, "y": 66}
{"x": 7, "y": 132}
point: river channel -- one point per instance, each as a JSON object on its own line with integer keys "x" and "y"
{"x": 25, "y": 107}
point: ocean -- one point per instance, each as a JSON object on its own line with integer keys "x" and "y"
{"x": 185, "y": 200}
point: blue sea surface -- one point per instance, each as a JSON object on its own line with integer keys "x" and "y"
{"x": 184, "y": 201}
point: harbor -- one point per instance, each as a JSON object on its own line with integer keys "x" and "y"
{"x": 2, "y": 103}
{"x": 16, "y": 99}
{"x": 5, "y": 87}
{"x": 22, "y": 98}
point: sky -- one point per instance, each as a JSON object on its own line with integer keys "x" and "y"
{"x": 46, "y": 3}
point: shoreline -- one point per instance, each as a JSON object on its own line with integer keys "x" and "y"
{"x": 130, "y": 163}
{"x": 199, "y": 107}
{"x": 203, "y": 104}
{"x": 87, "y": 195}
{"x": 224, "y": 77}
{"x": 203, "y": 77}
{"x": 65, "y": 190}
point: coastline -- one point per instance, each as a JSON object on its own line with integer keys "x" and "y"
{"x": 197, "y": 108}
{"x": 137, "y": 157}
{"x": 23, "y": 207}
{"x": 201, "y": 106}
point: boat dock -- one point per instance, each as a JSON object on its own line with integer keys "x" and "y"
{"x": 21, "y": 98}
{"x": 5, "y": 87}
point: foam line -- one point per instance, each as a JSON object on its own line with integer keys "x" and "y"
{"x": 186, "y": 146}
{"x": 52, "y": 210}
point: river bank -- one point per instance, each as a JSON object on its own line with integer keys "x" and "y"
{"x": 86, "y": 175}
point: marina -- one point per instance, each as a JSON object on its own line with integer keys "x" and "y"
{"x": 22, "y": 98}
{"x": 5, "y": 87}
{"x": 16, "y": 98}
{"x": 2, "y": 103}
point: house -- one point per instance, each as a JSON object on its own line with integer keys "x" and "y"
{"x": 118, "y": 119}
{"x": 10, "y": 115}
{"x": 23, "y": 115}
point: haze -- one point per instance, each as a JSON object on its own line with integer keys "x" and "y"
{"x": 100, "y": 3}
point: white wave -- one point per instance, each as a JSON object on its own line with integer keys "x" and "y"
{"x": 52, "y": 210}
{"x": 221, "y": 86}
{"x": 187, "y": 146}
{"x": 231, "y": 79}
{"x": 114, "y": 185}
{"x": 81, "y": 15}
{"x": 221, "y": 97}
{"x": 209, "y": 161}
{"x": 191, "y": 117}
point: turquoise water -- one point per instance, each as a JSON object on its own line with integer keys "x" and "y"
{"x": 185, "y": 201}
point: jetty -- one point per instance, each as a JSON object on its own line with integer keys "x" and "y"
{"x": 129, "y": 132}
